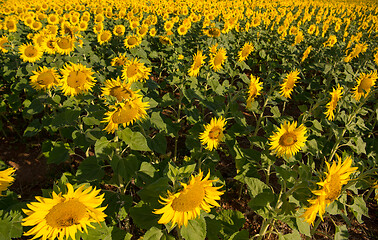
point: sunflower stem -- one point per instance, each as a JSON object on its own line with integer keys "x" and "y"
{"x": 260, "y": 117}
{"x": 178, "y": 121}
{"x": 264, "y": 227}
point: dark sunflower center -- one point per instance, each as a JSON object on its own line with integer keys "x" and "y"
{"x": 31, "y": 51}
{"x": 76, "y": 79}
{"x": 334, "y": 188}
{"x": 288, "y": 139}
{"x": 120, "y": 93}
{"x": 132, "y": 41}
{"x": 66, "y": 214}
{"x": 215, "y": 132}
{"x": 189, "y": 199}
{"x": 125, "y": 114}
{"x": 365, "y": 85}
{"x": 45, "y": 78}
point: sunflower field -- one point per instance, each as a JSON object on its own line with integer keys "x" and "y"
{"x": 181, "y": 119}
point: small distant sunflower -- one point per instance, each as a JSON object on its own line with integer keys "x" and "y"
{"x": 104, "y": 37}
{"x": 36, "y": 25}
{"x": 119, "y": 61}
{"x": 288, "y": 140}
{"x": 218, "y": 59}
{"x": 76, "y": 79}
{"x": 53, "y": 19}
{"x": 134, "y": 71}
{"x": 255, "y": 87}
{"x": 125, "y": 113}
{"x": 182, "y": 29}
{"x": 119, "y": 30}
{"x": 338, "y": 174}
{"x": 83, "y": 25}
{"x": 198, "y": 60}
{"x": 132, "y": 41}
{"x": 62, "y": 215}
{"x": 213, "y": 133}
{"x": 3, "y": 44}
{"x": 118, "y": 89}
{"x": 214, "y": 32}
{"x": 30, "y": 53}
{"x": 364, "y": 84}
{"x": 289, "y": 83}
{"x": 6, "y": 179}
{"x": 306, "y": 53}
{"x": 142, "y": 31}
{"x": 153, "y": 32}
{"x": 199, "y": 194}
{"x": 332, "y": 40}
{"x": 245, "y": 51}
{"x": 331, "y": 106}
{"x": 65, "y": 45}
{"x": 45, "y": 78}
{"x": 98, "y": 28}
{"x": 168, "y": 25}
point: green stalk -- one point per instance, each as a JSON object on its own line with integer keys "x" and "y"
{"x": 178, "y": 121}
{"x": 260, "y": 117}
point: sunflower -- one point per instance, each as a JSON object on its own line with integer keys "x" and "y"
{"x": 76, "y": 78}
{"x": 118, "y": 89}
{"x": 218, "y": 59}
{"x": 337, "y": 175}
{"x": 10, "y": 24}
{"x": 6, "y": 179}
{"x": 142, "y": 31}
{"x": 64, "y": 45}
{"x": 119, "y": 30}
{"x": 153, "y": 32}
{"x": 168, "y": 25}
{"x": 182, "y": 30}
{"x": 199, "y": 194}
{"x": 134, "y": 71}
{"x": 331, "y": 106}
{"x": 198, "y": 60}
{"x": 104, "y": 37}
{"x": 62, "y": 215}
{"x": 245, "y": 51}
{"x": 213, "y": 32}
{"x": 213, "y": 133}
{"x": 165, "y": 40}
{"x": 125, "y": 113}
{"x": 254, "y": 90}
{"x": 30, "y": 53}
{"x": 288, "y": 140}
{"x": 289, "y": 83}
{"x": 332, "y": 40}
{"x": 120, "y": 60}
{"x": 98, "y": 28}
{"x": 3, "y": 44}
{"x": 132, "y": 41}
{"x": 48, "y": 44}
{"x": 45, "y": 78}
{"x": 53, "y": 19}
{"x": 36, "y": 25}
{"x": 364, "y": 84}
{"x": 306, "y": 53}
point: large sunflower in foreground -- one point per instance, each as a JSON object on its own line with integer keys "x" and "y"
{"x": 331, "y": 106}
{"x": 76, "y": 79}
{"x": 364, "y": 84}
{"x": 62, "y": 215}
{"x": 288, "y": 140}
{"x": 337, "y": 176}
{"x": 30, "y": 53}
{"x": 213, "y": 133}
{"x": 65, "y": 45}
{"x": 45, "y": 78}
{"x": 254, "y": 90}
{"x": 125, "y": 113}
{"x": 199, "y": 194}
{"x": 289, "y": 83}
{"x": 6, "y": 179}
{"x": 119, "y": 89}
{"x": 218, "y": 59}
{"x": 119, "y": 61}
{"x": 198, "y": 60}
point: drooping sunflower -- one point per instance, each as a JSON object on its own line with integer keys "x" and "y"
{"x": 331, "y": 106}
{"x": 76, "y": 79}
{"x": 364, "y": 84}
{"x": 288, "y": 140}
{"x": 119, "y": 30}
{"x": 119, "y": 61}
{"x": 289, "y": 83}
{"x": 198, "y": 60}
{"x": 30, "y": 53}
{"x": 6, "y": 179}
{"x": 45, "y": 78}
{"x": 134, "y": 71}
{"x": 62, "y": 215}
{"x": 255, "y": 87}
{"x": 218, "y": 59}
{"x": 65, "y": 45}
{"x": 337, "y": 175}
{"x": 245, "y": 51}
{"x": 119, "y": 89}
{"x": 306, "y": 53}
{"x": 104, "y": 37}
{"x": 332, "y": 40}
{"x": 213, "y": 32}
{"x": 165, "y": 40}
{"x": 132, "y": 41}
{"x": 199, "y": 194}
{"x": 3, "y": 44}
{"x": 125, "y": 113}
{"x": 213, "y": 134}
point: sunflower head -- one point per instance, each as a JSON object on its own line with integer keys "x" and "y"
{"x": 30, "y": 53}
{"x": 134, "y": 70}
{"x": 288, "y": 140}
{"x": 213, "y": 134}
{"x": 198, "y": 61}
{"x": 218, "y": 59}
{"x": 289, "y": 83}
{"x": 104, "y": 37}
{"x": 365, "y": 82}
{"x": 65, "y": 45}
{"x": 45, "y": 78}
{"x": 6, "y": 179}
{"x": 255, "y": 87}
{"x": 245, "y": 51}
{"x": 132, "y": 41}
{"x": 76, "y": 79}
{"x": 118, "y": 89}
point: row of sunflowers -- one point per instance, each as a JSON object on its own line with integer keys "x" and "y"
{"x": 176, "y": 109}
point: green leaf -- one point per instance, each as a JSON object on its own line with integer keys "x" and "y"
{"x": 89, "y": 170}
{"x": 100, "y": 146}
{"x": 295, "y": 235}
{"x": 120, "y": 234}
{"x": 231, "y": 220}
{"x": 33, "y": 128}
{"x": 10, "y": 225}
{"x": 255, "y": 186}
{"x": 90, "y": 121}
{"x": 35, "y": 107}
{"x": 135, "y": 140}
{"x": 341, "y": 233}
{"x": 359, "y": 208}
{"x": 153, "y": 234}
{"x": 58, "y": 154}
{"x": 303, "y": 226}
{"x": 101, "y": 231}
{"x": 195, "y": 230}
{"x": 143, "y": 216}
{"x": 275, "y": 111}
{"x": 242, "y": 235}
{"x": 158, "y": 143}
{"x": 150, "y": 193}
{"x": 158, "y": 122}
{"x": 125, "y": 167}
